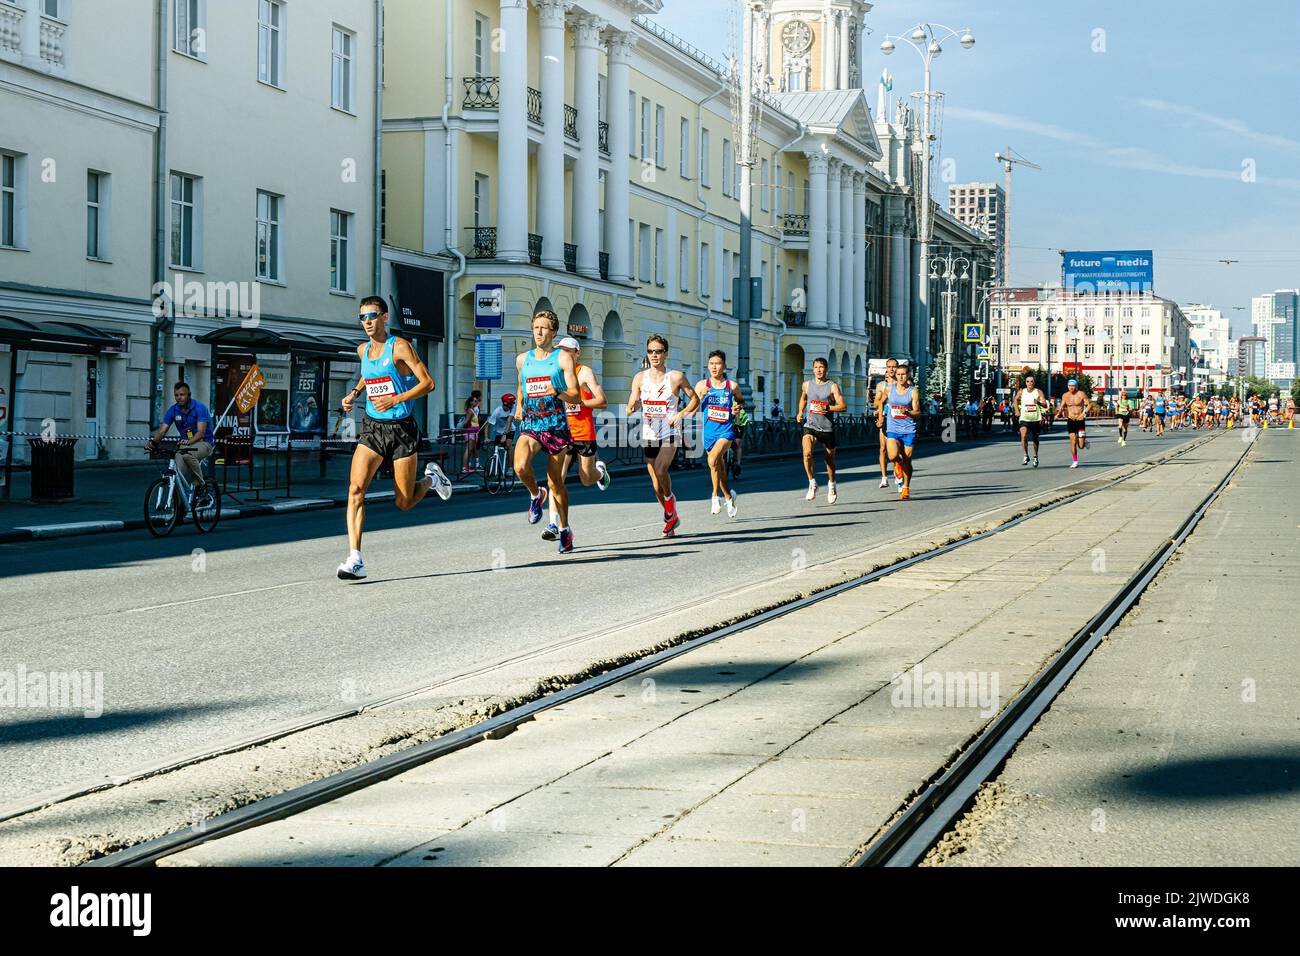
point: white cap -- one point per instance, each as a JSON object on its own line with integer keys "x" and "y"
{"x": 569, "y": 342}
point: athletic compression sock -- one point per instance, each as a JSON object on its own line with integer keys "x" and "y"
{"x": 670, "y": 504}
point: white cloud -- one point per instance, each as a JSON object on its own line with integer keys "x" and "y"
{"x": 1236, "y": 127}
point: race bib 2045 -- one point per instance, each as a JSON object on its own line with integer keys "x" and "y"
{"x": 654, "y": 408}
{"x": 538, "y": 387}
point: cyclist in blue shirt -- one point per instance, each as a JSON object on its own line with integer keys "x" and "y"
{"x": 194, "y": 424}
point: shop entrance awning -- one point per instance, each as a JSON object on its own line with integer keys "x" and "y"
{"x": 318, "y": 344}
{"x": 38, "y": 334}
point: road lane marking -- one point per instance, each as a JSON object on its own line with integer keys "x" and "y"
{"x": 211, "y": 597}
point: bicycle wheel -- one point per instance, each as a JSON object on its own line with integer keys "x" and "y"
{"x": 492, "y": 477}
{"x": 206, "y": 508}
{"x": 160, "y": 511}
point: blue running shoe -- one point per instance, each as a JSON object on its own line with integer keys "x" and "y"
{"x": 551, "y": 532}
{"x": 566, "y": 541}
{"x": 535, "y": 507}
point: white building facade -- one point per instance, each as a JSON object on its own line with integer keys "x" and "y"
{"x": 173, "y": 169}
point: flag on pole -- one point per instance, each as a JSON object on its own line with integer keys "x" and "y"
{"x": 886, "y": 80}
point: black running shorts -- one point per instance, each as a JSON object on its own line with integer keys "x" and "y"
{"x": 399, "y": 438}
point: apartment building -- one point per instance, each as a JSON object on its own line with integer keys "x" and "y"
{"x": 185, "y": 183}
{"x": 1121, "y": 341}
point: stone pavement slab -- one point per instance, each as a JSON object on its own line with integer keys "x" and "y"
{"x": 805, "y": 734}
{"x": 1178, "y": 741}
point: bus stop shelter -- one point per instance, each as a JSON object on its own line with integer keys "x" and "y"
{"x": 30, "y": 333}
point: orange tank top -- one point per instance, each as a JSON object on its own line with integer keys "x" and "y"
{"x": 582, "y": 420}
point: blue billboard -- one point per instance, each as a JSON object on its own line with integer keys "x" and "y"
{"x": 1126, "y": 270}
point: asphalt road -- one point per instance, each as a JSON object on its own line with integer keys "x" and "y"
{"x": 197, "y": 646}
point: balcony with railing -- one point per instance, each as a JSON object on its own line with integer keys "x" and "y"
{"x": 483, "y": 244}
{"x": 52, "y": 42}
{"x": 604, "y": 265}
{"x": 795, "y": 226}
{"x": 603, "y": 136}
{"x": 484, "y": 92}
{"x": 534, "y": 248}
{"x": 11, "y": 30}
{"x": 570, "y": 257}
{"x": 570, "y": 121}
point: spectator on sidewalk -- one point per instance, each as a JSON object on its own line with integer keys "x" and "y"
{"x": 470, "y": 424}
{"x": 776, "y": 409}
{"x": 500, "y": 423}
{"x": 193, "y": 422}
{"x": 972, "y": 416}
{"x": 986, "y": 414}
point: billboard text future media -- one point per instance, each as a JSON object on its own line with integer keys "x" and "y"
{"x": 1125, "y": 270}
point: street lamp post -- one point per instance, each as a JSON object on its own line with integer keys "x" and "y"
{"x": 949, "y": 269}
{"x": 925, "y": 39}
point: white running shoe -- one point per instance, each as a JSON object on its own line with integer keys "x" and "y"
{"x": 353, "y": 569}
{"x": 731, "y": 506}
{"x": 1026, "y": 461}
{"x": 441, "y": 483}
{"x": 830, "y": 493}
{"x": 602, "y": 483}
{"x": 812, "y": 491}
{"x": 1074, "y": 464}
{"x": 884, "y": 482}
{"x": 717, "y": 506}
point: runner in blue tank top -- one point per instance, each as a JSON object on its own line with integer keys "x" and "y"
{"x": 902, "y": 409}
{"x": 392, "y": 378}
{"x": 547, "y": 379}
{"x": 720, "y": 398}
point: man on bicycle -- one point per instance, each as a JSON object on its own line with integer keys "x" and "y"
{"x": 193, "y": 422}
{"x": 501, "y": 423}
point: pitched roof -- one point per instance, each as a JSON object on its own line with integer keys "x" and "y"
{"x": 832, "y": 109}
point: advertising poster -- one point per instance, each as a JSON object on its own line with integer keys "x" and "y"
{"x": 307, "y": 397}
{"x": 273, "y": 400}
{"x": 232, "y": 424}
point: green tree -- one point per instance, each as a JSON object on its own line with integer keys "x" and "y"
{"x": 1295, "y": 389}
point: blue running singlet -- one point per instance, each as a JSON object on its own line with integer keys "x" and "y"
{"x": 719, "y": 422}
{"x": 382, "y": 378}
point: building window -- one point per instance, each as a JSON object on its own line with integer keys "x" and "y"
{"x": 188, "y": 32}
{"x": 1089, "y": 349}
{"x": 1107, "y": 349}
{"x": 684, "y": 150}
{"x": 1128, "y": 348}
{"x": 268, "y": 236}
{"x": 1146, "y": 330}
{"x": 704, "y": 273}
{"x": 726, "y": 167}
{"x": 97, "y": 215}
{"x": 1033, "y": 348}
{"x": 270, "y": 42}
{"x": 1033, "y": 313}
{"x": 762, "y": 185}
{"x": 645, "y": 129}
{"x": 480, "y": 200}
{"x": 1128, "y": 312}
{"x": 340, "y": 251}
{"x": 482, "y": 36}
{"x": 704, "y": 158}
{"x": 644, "y": 264}
{"x": 659, "y": 257}
{"x": 1033, "y": 331}
{"x": 342, "y": 77}
{"x": 1090, "y": 330}
{"x": 1015, "y": 331}
{"x": 660, "y": 134}
{"x": 185, "y": 207}
{"x": 1126, "y": 330}
{"x": 1051, "y": 349}
{"x": 50, "y": 8}
{"x": 683, "y": 263}
{"x": 1146, "y": 349}
{"x": 11, "y": 200}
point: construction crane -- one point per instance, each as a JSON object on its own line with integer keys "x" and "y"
{"x": 1008, "y": 159}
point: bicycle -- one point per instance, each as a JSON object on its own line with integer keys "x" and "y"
{"x": 170, "y": 497}
{"x": 500, "y": 473}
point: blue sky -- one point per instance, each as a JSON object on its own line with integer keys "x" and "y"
{"x": 1143, "y": 145}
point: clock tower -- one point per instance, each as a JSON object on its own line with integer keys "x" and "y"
{"x": 816, "y": 44}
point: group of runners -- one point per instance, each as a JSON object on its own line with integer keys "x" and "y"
{"x": 558, "y": 398}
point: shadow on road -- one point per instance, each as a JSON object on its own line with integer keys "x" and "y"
{"x": 1258, "y": 773}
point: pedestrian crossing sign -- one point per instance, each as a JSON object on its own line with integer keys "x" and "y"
{"x": 983, "y": 353}
{"x": 973, "y": 332}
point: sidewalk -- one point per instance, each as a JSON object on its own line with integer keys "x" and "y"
{"x": 1178, "y": 742}
{"x": 789, "y": 744}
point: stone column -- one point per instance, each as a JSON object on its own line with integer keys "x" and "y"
{"x": 900, "y": 284}
{"x": 618, "y": 184}
{"x": 550, "y": 157}
{"x": 586, "y": 171}
{"x": 834, "y": 263}
{"x": 859, "y": 238}
{"x": 512, "y": 134}
{"x": 848, "y": 236}
{"x": 817, "y": 228}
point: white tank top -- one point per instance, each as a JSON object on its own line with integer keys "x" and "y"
{"x": 1029, "y": 410}
{"x": 658, "y": 403}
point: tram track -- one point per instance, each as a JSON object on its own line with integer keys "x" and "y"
{"x": 312, "y": 794}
